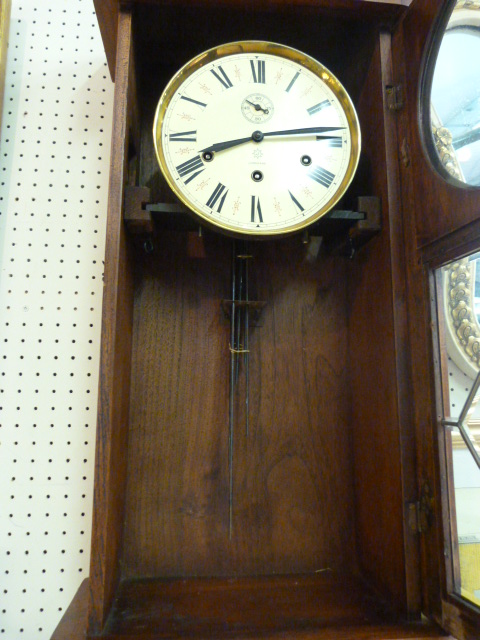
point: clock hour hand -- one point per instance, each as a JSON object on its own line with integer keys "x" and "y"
{"x": 258, "y": 136}
{"x": 221, "y": 146}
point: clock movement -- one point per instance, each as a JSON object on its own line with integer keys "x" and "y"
{"x": 260, "y": 143}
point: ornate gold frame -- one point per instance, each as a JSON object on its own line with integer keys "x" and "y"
{"x": 462, "y": 328}
{"x": 467, "y": 4}
{"x": 460, "y": 307}
{"x": 442, "y": 139}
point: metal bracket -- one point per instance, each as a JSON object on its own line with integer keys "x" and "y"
{"x": 137, "y": 218}
{"x": 255, "y": 307}
{"x": 136, "y": 215}
{"x": 394, "y": 95}
{"x": 343, "y": 231}
{"x": 365, "y": 227}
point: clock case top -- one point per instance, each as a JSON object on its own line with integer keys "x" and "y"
{"x": 382, "y": 12}
{"x": 359, "y": 425}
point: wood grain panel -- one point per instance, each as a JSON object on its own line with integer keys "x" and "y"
{"x": 376, "y": 326}
{"x": 107, "y": 15}
{"x": 407, "y": 445}
{"x": 114, "y": 384}
{"x": 293, "y": 485}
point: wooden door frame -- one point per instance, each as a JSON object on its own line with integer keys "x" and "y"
{"x": 441, "y": 221}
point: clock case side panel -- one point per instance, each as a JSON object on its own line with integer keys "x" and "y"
{"x": 107, "y": 16}
{"x": 114, "y": 385}
{"x": 418, "y": 301}
{"x": 383, "y": 448}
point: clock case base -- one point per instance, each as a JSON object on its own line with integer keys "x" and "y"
{"x": 324, "y": 477}
{"x": 321, "y": 606}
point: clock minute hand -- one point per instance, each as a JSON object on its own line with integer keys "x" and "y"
{"x": 258, "y": 136}
{"x": 304, "y": 131}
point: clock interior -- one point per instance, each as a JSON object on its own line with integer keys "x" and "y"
{"x": 293, "y": 494}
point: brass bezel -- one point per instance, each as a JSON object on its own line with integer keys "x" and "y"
{"x": 271, "y": 48}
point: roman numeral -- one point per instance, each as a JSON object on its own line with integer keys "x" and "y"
{"x": 225, "y": 80}
{"x": 292, "y": 81}
{"x": 218, "y": 191}
{"x": 322, "y": 176}
{"x": 184, "y": 136}
{"x": 259, "y": 74}
{"x": 318, "y": 107}
{"x": 335, "y": 142}
{"x": 296, "y": 201}
{"x": 256, "y": 210}
{"x": 332, "y": 141}
{"x": 193, "y": 166}
{"x": 200, "y": 104}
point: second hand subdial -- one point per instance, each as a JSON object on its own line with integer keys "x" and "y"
{"x": 257, "y": 106}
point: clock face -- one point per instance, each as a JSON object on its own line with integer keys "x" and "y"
{"x": 256, "y": 138}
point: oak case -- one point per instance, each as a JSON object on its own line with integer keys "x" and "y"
{"x": 338, "y": 451}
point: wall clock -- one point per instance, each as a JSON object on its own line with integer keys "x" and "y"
{"x": 256, "y": 138}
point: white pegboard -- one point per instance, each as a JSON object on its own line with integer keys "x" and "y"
{"x": 55, "y": 148}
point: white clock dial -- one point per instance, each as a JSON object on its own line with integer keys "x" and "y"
{"x": 257, "y": 138}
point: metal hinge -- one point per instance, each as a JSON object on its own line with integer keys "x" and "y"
{"x": 394, "y": 96}
{"x": 421, "y": 513}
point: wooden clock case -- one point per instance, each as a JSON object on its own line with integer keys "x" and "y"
{"x": 327, "y": 541}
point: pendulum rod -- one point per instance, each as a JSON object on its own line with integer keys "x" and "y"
{"x": 240, "y": 314}
{"x": 233, "y": 365}
{"x": 239, "y": 345}
{"x": 246, "y": 342}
